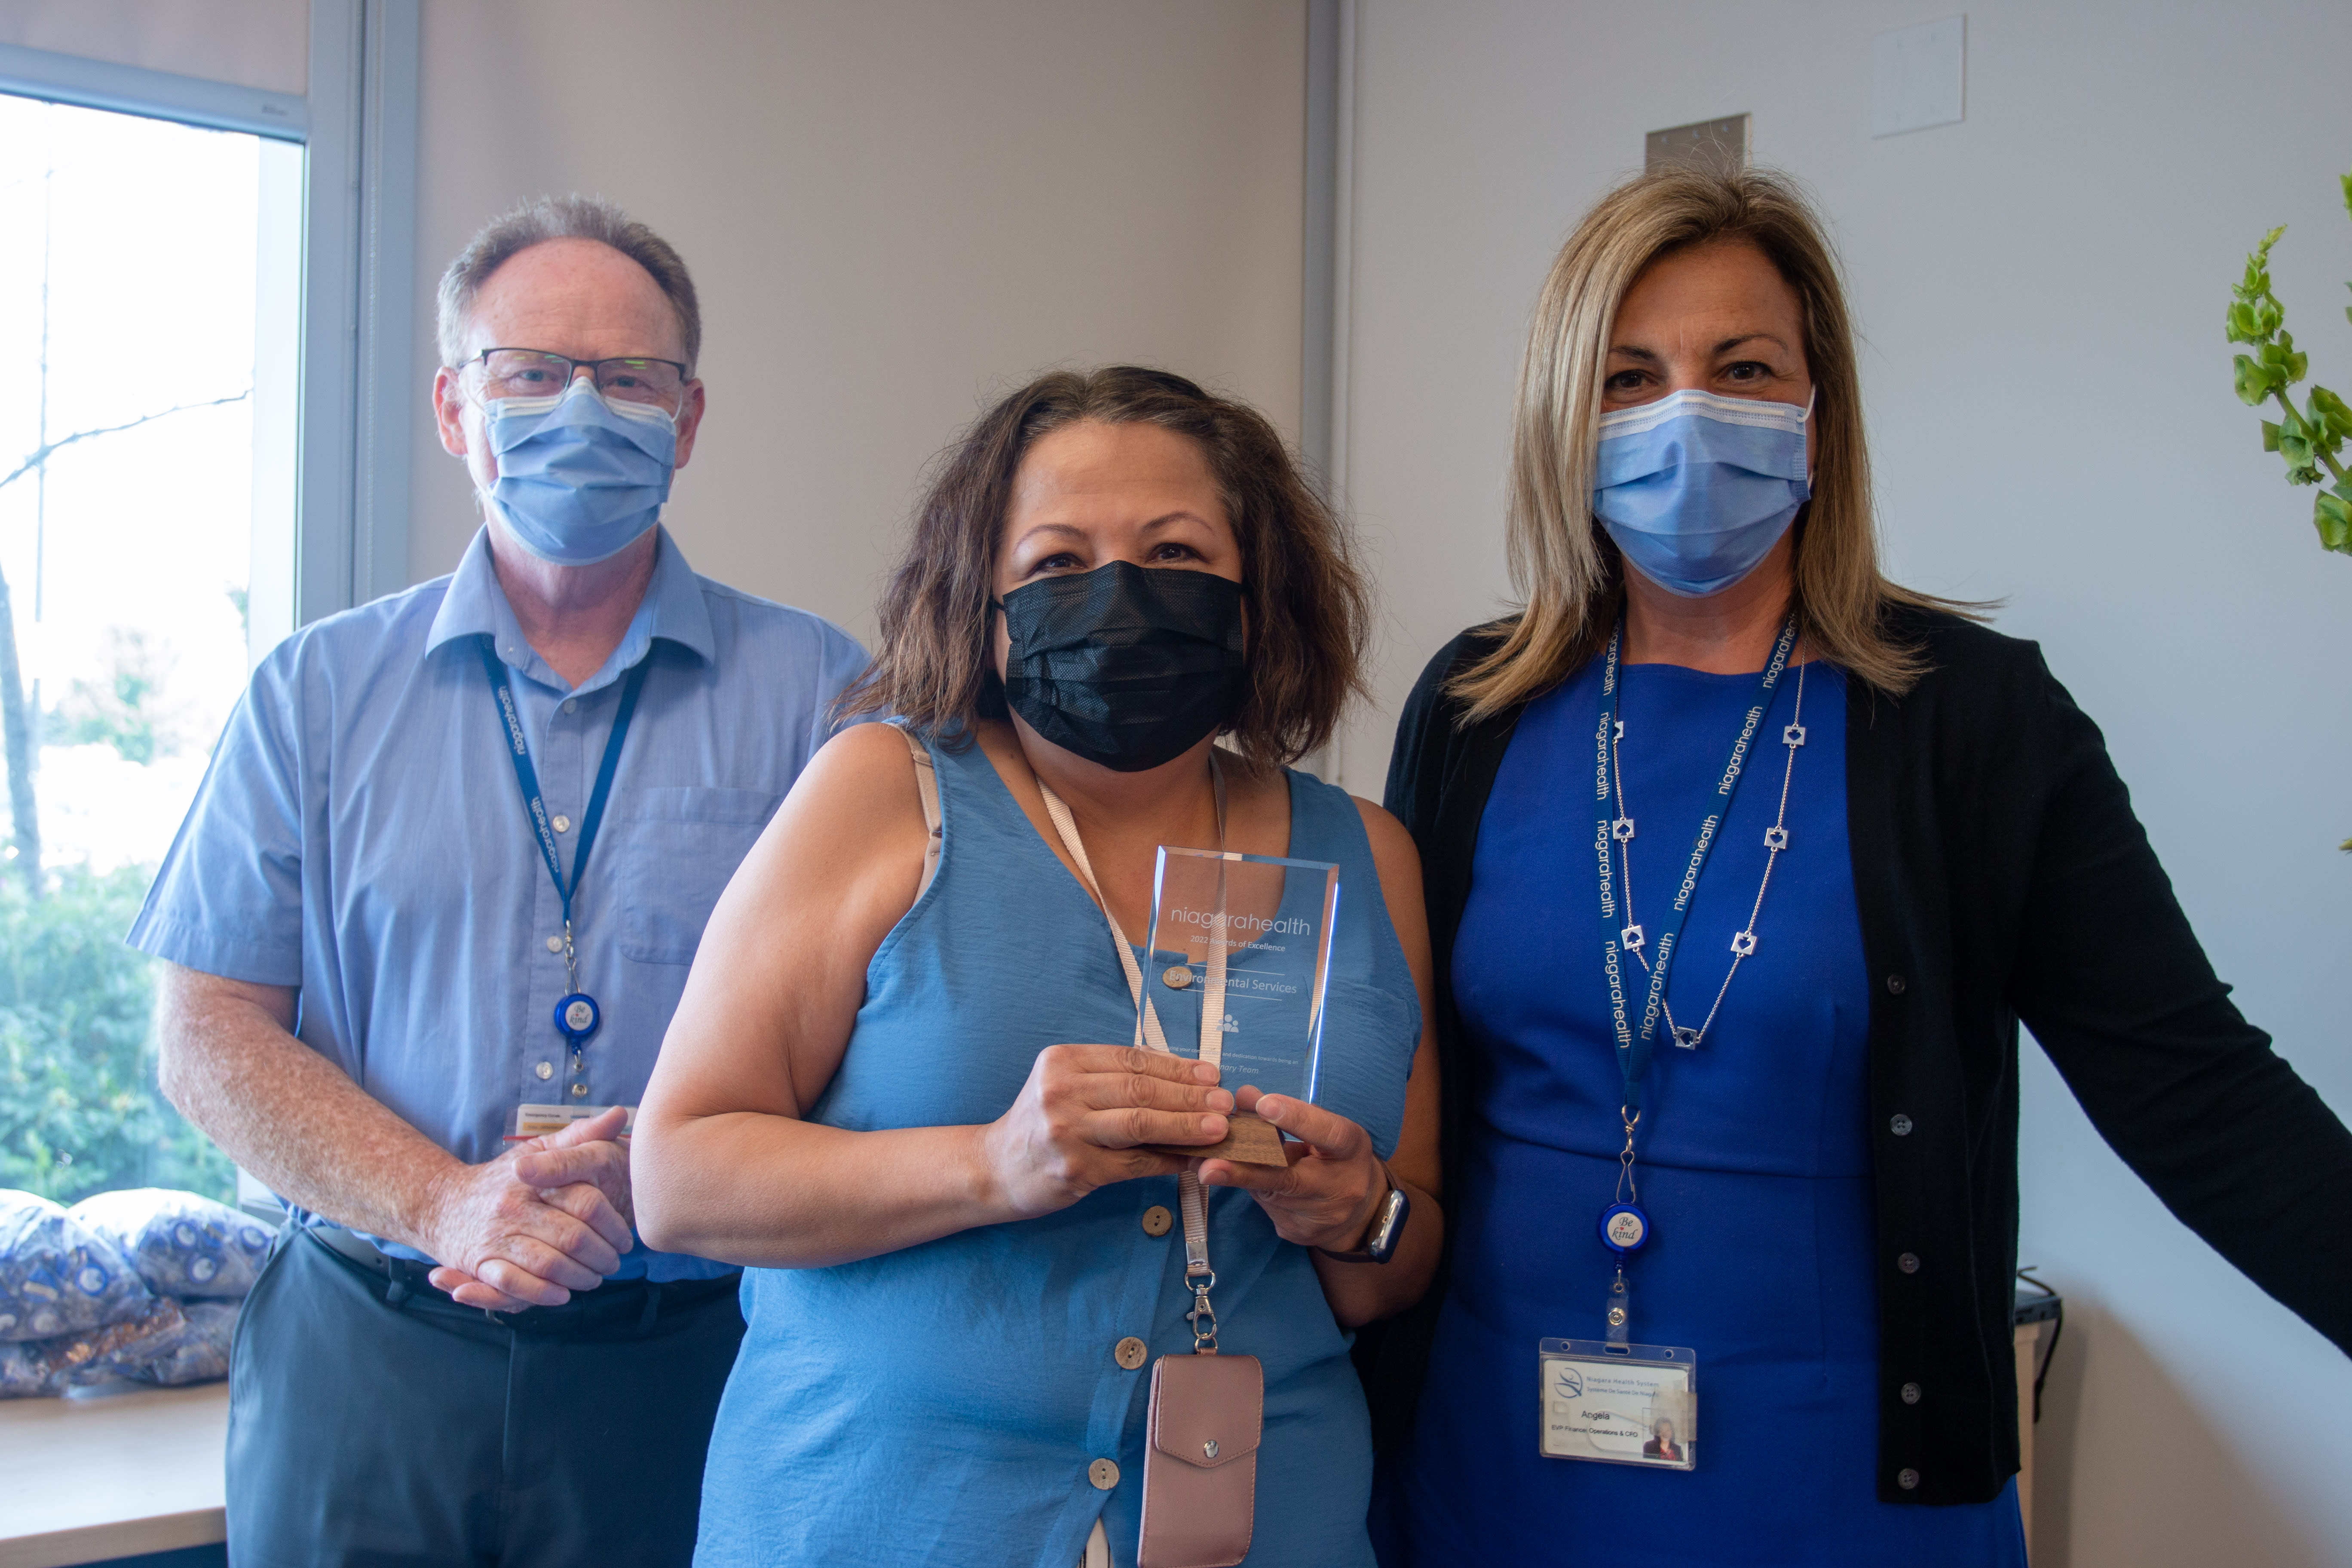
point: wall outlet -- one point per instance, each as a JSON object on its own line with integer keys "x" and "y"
{"x": 1917, "y": 76}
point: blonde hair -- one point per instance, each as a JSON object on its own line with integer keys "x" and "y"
{"x": 1565, "y": 569}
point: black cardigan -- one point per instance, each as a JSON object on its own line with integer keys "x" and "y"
{"x": 2000, "y": 876}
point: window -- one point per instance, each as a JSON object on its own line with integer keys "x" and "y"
{"x": 148, "y": 323}
{"x": 205, "y": 341}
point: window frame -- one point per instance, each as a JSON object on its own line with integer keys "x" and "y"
{"x": 357, "y": 125}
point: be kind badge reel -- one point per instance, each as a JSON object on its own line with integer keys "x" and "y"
{"x": 1610, "y": 1400}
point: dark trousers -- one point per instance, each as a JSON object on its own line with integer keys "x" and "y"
{"x": 373, "y": 1422}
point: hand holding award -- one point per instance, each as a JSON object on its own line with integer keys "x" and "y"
{"x": 1247, "y": 937}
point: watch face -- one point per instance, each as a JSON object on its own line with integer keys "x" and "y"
{"x": 1389, "y": 1225}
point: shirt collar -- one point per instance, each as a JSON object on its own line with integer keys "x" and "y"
{"x": 673, "y": 610}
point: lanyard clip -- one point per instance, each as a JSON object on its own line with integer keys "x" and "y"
{"x": 1619, "y": 1316}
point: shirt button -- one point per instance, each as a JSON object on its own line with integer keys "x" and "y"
{"x": 1104, "y": 1475}
{"x": 572, "y": 705}
{"x": 562, "y": 825}
{"x": 1908, "y": 1263}
{"x": 1910, "y": 1393}
{"x": 579, "y": 1092}
{"x": 1899, "y": 1124}
{"x": 1908, "y": 1478}
{"x": 1130, "y": 1353}
{"x": 545, "y": 1071}
{"x": 1156, "y": 1221}
{"x": 1895, "y": 984}
{"x": 1177, "y": 977}
{"x": 556, "y": 944}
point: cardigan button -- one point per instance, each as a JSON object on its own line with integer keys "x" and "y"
{"x": 1908, "y": 1478}
{"x": 1104, "y": 1474}
{"x": 1911, "y": 1393}
{"x": 1899, "y": 1124}
{"x": 1908, "y": 1263}
{"x": 1896, "y": 983}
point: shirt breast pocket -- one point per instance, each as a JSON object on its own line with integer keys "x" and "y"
{"x": 679, "y": 847}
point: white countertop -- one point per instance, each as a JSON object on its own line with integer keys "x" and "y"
{"x": 109, "y": 1471}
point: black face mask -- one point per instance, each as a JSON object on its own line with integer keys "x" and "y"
{"x": 1125, "y": 666}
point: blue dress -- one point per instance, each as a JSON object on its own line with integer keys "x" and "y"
{"x": 943, "y": 1404}
{"x": 1754, "y": 1164}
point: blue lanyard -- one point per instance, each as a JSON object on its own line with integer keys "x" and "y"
{"x": 518, "y": 750}
{"x": 1634, "y": 1043}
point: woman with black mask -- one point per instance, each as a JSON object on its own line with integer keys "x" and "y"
{"x": 908, "y": 1087}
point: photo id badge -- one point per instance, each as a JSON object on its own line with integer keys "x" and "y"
{"x": 1624, "y": 1405}
{"x": 543, "y": 1121}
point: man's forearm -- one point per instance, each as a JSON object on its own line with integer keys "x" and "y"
{"x": 289, "y": 1115}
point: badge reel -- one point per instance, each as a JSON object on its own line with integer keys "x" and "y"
{"x": 577, "y": 1017}
{"x": 1611, "y": 1400}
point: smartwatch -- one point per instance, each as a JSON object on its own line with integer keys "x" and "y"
{"x": 1387, "y": 1228}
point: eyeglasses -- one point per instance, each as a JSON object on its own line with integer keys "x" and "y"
{"x": 534, "y": 373}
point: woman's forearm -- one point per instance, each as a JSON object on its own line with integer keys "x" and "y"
{"x": 771, "y": 1192}
{"x": 1362, "y": 1293}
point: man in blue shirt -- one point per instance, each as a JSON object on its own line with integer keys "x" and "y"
{"x": 426, "y": 923}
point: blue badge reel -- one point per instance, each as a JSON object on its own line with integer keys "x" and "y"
{"x": 1624, "y": 1228}
{"x": 577, "y": 1016}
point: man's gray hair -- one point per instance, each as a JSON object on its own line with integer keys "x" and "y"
{"x": 571, "y": 217}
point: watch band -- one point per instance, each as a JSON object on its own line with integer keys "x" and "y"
{"x": 1387, "y": 1225}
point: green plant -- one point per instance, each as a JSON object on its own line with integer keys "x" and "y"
{"x": 79, "y": 1112}
{"x": 118, "y": 711}
{"x": 2309, "y": 438}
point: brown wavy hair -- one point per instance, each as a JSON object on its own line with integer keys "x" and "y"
{"x": 1308, "y": 608}
{"x": 1567, "y": 571}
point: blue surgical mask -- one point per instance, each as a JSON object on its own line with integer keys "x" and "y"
{"x": 581, "y": 475}
{"x": 1696, "y": 489}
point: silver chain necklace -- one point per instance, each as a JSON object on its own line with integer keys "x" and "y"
{"x": 1776, "y": 840}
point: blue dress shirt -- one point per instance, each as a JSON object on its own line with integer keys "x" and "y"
{"x": 360, "y": 837}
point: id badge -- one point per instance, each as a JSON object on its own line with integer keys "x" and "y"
{"x": 541, "y": 1121}
{"x": 1622, "y": 1404}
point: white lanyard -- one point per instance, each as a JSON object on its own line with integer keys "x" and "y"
{"x": 1198, "y": 1275}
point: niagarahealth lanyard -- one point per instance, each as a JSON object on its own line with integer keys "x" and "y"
{"x": 1199, "y": 1278}
{"x": 577, "y": 1016}
{"x": 1624, "y": 1228}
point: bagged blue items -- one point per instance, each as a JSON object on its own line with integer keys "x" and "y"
{"x": 198, "y": 1353}
{"x": 53, "y": 1365}
{"x": 180, "y": 1244}
{"x": 57, "y": 1277}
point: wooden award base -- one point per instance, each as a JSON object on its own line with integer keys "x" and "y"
{"x": 1249, "y": 1140}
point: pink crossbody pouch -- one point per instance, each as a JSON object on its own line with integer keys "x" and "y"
{"x": 1200, "y": 1471}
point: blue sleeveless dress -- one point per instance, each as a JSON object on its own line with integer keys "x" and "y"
{"x": 943, "y": 1404}
{"x": 1754, "y": 1165}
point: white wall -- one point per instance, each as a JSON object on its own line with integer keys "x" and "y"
{"x": 256, "y": 43}
{"x": 893, "y": 213}
{"x": 2042, "y": 292}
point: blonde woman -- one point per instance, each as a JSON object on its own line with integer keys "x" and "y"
{"x": 1744, "y": 865}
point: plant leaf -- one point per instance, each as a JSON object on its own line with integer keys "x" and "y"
{"x": 2332, "y": 515}
{"x": 2333, "y": 418}
{"x": 2255, "y": 380}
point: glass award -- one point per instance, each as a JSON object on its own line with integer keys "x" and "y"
{"x": 1254, "y": 932}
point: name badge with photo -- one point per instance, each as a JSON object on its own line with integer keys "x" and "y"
{"x": 1620, "y": 1405}
{"x": 541, "y": 1120}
